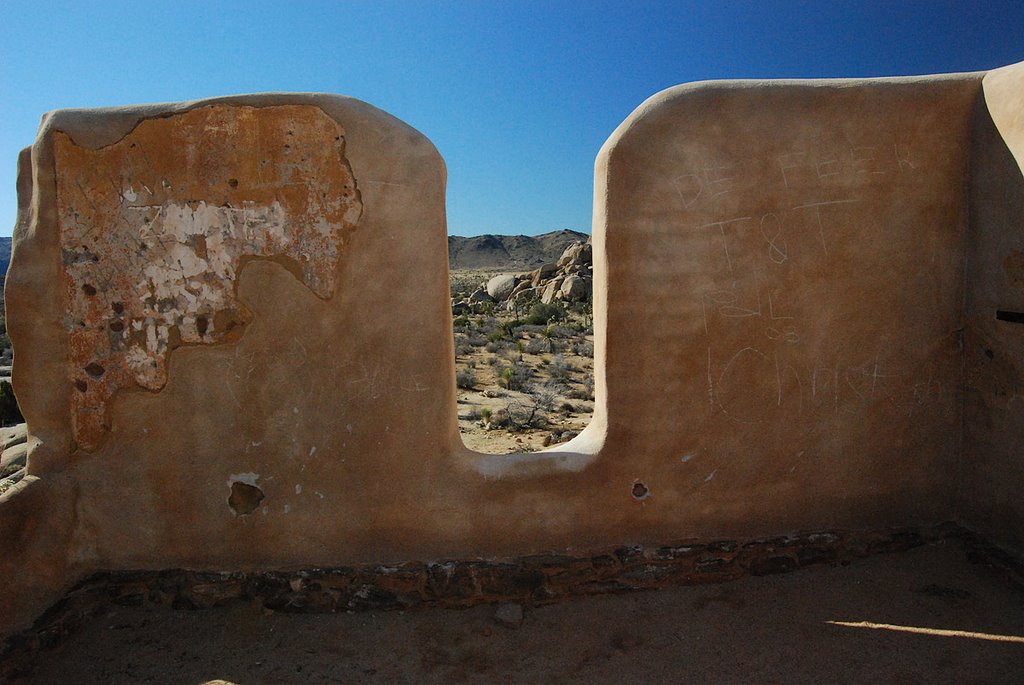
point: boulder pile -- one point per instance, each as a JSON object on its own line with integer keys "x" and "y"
{"x": 13, "y": 455}
{"x": 570, "y": 279}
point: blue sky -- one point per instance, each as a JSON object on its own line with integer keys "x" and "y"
{"x": 517, "y": 96}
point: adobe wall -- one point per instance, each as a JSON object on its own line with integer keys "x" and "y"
{"x": 778, "y": 310}
{"x": 218, "y": 301}
{"x": 993, "y": 465}
{"x": 783, "y": 301}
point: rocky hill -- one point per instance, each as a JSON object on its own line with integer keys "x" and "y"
{"x": 569, "y": 278}
{"x": 509, "y": 252}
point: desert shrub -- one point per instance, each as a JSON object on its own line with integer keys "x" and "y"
{"x": 585, "y": 391}
{"x": 523, "y": 415}
{"x": 462, "y": 346}
{"x": 492, "y": 347}
{"x": 508, "y": 328}
{"x": 548, "y": 335}
{"x": 560, "y": 368}
{"x": 9, "y": 412}
{"x": 461, "y": 322}
{"x": 476, "y": 340}
{"x": 545, "y": 396}
{"x": 488, "y": 325}
{"x": 465, "y": 378}
{"x": 541, "y": 314}
{"x": 485, "y": 415}
{"x": 515, "y": 376}
{"x": 495, "y": 336}
{"x": 535, "y": 346}
{"x": 582, "y": 348}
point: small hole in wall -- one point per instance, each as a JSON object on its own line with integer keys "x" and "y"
{"x": 1009, "y": 317}
{"x": 88, "y": 289}
{"x": 244, "y": 498}
{"x": 233, "y": 182}
{"x": 640, "y": 490}
{"x": 81, "y": 385}
{"x": 990, "y": 354}
{"x": 95, "y": 370}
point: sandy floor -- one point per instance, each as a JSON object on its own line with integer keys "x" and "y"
{"x": 763, "y": 630}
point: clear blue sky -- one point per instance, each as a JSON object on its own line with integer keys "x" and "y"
{"x": 517, "y": 96}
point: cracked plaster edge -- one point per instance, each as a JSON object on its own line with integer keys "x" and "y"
{"x": 35, "y": 258}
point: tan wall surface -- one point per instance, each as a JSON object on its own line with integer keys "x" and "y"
{"x": 993, "y": 463}
{"x": 783, "y": 300}
{"x": 323, "y": 375}
{"x": 778, "y": 305}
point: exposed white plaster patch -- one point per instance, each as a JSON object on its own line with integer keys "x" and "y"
{"x": 687, "y": 457}
{"x": 298, "y": 489}
{"x": 710, "y": 476}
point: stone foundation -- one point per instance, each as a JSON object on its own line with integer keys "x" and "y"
{"x": 532, "y": 580}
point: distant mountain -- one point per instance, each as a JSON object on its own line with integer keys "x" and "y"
{"x": 5, "y": 255}
{"x": 512, "y": 252}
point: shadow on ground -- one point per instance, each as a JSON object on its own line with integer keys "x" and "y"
{"x": 771, "y": 629}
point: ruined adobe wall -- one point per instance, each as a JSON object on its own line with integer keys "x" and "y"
{"x": 778, "y": 299}
{"x": 789, "y": 355}
{"x": 220, "y": 301}
{"x": 993, "y": 465}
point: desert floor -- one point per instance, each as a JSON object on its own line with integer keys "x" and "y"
{"x": 552, "y": 392}
{"x": 949, "y": 621}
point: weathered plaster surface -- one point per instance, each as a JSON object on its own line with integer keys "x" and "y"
{"x": 779, "y": 336}
{"x": 155, "y": 227}
{"x": 992, "y": 473}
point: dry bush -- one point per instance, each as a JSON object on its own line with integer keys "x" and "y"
{"x": 560, "y": 368}
{"x": 465, "y": 378}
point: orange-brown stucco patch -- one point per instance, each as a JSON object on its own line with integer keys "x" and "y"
{"x": 156, "y": 228}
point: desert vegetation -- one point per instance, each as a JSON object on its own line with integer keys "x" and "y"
{"x": 524, "y": 368}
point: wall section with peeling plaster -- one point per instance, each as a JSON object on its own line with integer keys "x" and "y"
{"x": 234, "y": 349}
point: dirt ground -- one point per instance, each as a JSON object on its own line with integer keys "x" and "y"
{"x": 776, "y": 629}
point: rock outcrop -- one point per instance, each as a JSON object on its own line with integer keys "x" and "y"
{"x": 568, "y": 279}
{"x": 13, "y": 455}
